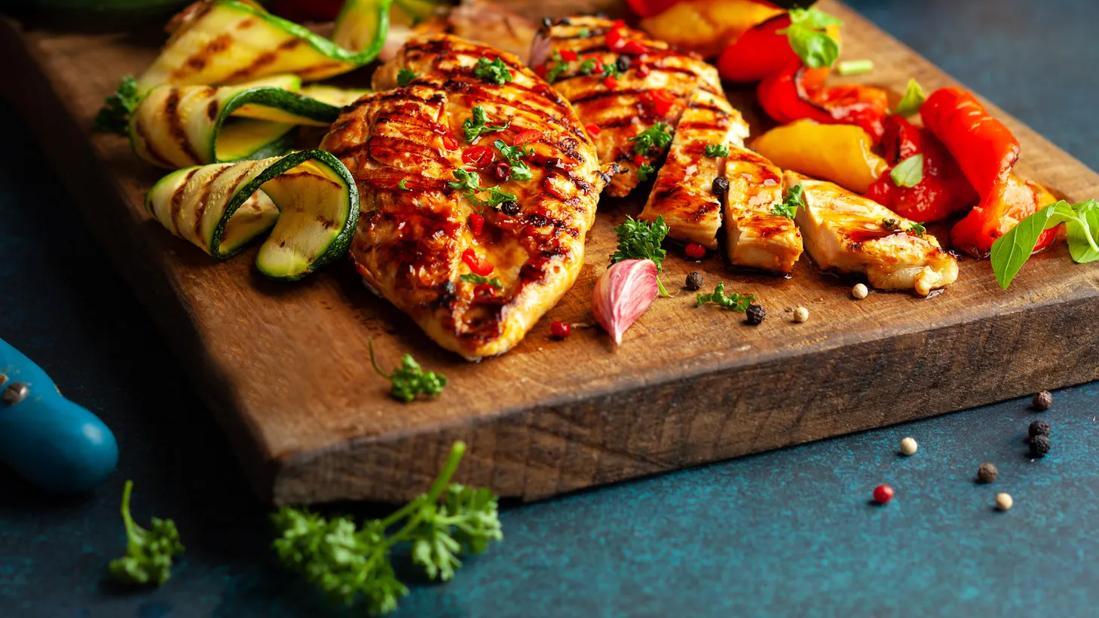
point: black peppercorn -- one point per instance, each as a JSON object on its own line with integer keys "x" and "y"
{"x": 1038, "y": 428}
{"x": 986, "y": 473}
{"x": 623, "y": 63}
{"x": 546, "y": 22}
{"x": 694, "y": 281}
{"x": 755, "y": 314}
{"x": 1042, "y": 401}
{"x": 510, "y": 208}
{"x": 1039, "y": 446}
{"x": 720, "y": 187}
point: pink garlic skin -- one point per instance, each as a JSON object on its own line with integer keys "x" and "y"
{"x": 622, "y": 294}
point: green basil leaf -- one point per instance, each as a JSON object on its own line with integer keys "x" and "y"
{"x": 908, "y": 173}
{"x": 808, "y": 37}
{"x": 912, "y": 100}
{"x": 1013, "y": 249}
{"x": 1083, "y": 233}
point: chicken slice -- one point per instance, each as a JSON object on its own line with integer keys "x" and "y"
{"x": 850, "y": 233}
{"x": 622, "y": 83}
{"x": 474, "y": 267}
{"x": 684, "y": 189}
{"x": 756, "y": 236}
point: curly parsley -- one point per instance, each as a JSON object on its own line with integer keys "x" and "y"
{"x": 409, "y": 379}
{"x": 717, "y": 150}
{"x": 656, "y": 137}
{"x": 149, "y": 552}
{"x": 478, "y": 279}
{"x": 645, "y": 171}
{"x": 477, "y": 124}
{"x": 405, "y": 76}
{"x": 638, "y": 240}
{"x": 731, "y": 301}
{"x": 469, "y": 183}
{"x": 114, "y": 116}
{"x": 494, "y": 72}
{"x": 514, "y": 155}
{"x": 795, "y": 198}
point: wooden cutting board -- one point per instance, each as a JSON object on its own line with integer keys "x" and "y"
{"x": 284, "y": 366}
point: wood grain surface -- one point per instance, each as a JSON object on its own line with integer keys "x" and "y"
{"x": 285, "y": 368}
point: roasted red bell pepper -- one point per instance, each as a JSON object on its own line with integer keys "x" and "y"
{"x": 797, "y": 93}
{"x": 1002, "y": 209}
{"x": 943, "y": 191}
{"x": 648, "y": 8}
{"x": 759, "y": 52}
{"x": 983, "y": 146}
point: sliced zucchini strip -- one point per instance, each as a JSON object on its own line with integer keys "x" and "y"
{"x": 308, "y": 200}
{"x": 234, "y": 41}
{"x": 332, "y": 95}
{"x": 180, "y": 126}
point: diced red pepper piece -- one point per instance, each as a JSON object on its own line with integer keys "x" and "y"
{"x": 657, "y": 102}
{"x": 541, "y": 70}
{"x": 794, "y": 94}
{"x": 610, "y": 82}
{"x": 758, "y": 53}
{"x": 633, "y": 48}
{"x": 477, "y": 265}
{"x": 478, "y": 156}
{"x": 476, "y": 223}
{"x": 614, "y": 38}
{"x": 639, "y": 160}
{"x": 449, "y": 142}
{"x": 592, "y": 129}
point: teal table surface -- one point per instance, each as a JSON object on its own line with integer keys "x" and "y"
{"x": 790, "y": 532}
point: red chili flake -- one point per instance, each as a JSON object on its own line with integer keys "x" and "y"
{"x": 592, "y": 129}
{"x": 450, "y": 143}
{"x": 695, "y": 251}
{"x": 526, "y": 136}
{"x": 614, "y": 38}
{"x": 476, "y": 265}
{"x": 639, "y": 160}
{"x": 883, "y": 493}
{"x": 610, "y": 82}
{"x": 478, "y": 156}
{"x": 541, "y": 70}
{"x": 476, "y": 224}
{"x": 634, "y": 48}
{"x": 559, "y": 330}
{"x": 643, "y": 70}
{"x": 568, "y": 55}
{"x": 659, "y": 102}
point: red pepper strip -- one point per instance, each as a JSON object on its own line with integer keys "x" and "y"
{"x": 982, "y": 145}
{"x": 1006, "y": 205}
{"x": 759, "y": 52}
{"x": 943, "y": 191}
{"x": 648, "y": 8}
{"x": 796, "y": 93}
{"x": 476, "y": 265}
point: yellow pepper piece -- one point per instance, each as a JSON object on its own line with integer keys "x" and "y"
{"x": 836, "y": 152}
{"x": 707, "y": 26}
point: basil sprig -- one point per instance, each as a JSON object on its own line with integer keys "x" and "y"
{"x": 1013, "y": 249}
{"x": 809, "y": 37}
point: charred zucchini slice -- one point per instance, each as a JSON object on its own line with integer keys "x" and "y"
{"x": 308, "y": 200}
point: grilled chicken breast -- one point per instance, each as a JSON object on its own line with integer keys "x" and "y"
{"x": 684, "y": 192}
{"x": 470, "y": 249}
{"x": 756, "y": 237}
{"x": 621, "y": 84}
{"x": 850, "y": 233}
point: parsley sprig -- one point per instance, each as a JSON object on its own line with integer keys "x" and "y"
{"x": 638, "y": 240}
{"x": 916, "y": 229}
{"x": 477, "y": 125}
{"x": 717, "y": 150}
{"x": 149, "y": 552}
{"x": 478, "y": 279}
{"x": 469, "y": 183}
{"x": 405, "y": 76}
{"x": 809, "y": 38}
{"x": 557, "y": 66}
{"x": 351, "y": 563}
{"x": 494, "y": 72}
{"x": 731, "y": 301}
{"x": 114, "y": 116}
{"x": 514, "y": 155}
{"x": 795, "y": 198}
{"x": 645, "y": 171}
{"x": 1013, "y": 249}
{"x": 409, "y": 379}
{"x": 656, "y": 137}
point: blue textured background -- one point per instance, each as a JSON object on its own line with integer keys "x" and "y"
{"x": 785, "y": 533}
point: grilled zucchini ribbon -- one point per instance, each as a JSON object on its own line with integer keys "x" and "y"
{"x": 308, "y": 200}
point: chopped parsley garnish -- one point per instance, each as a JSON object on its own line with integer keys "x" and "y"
{"x": 494, "y": 72}
{"x": 638, "y": 240}
{"x": 584, "y": 33}
{"x": 912, "y": 100}
{"x": 645, "y": 171}
{"x": 149, "y": 552}
{"x": 587, "y": 67}
{"x": 795, "y": 199}
{"x": 731, "y": 301}
{"x": 477, "y": 125}
{"x": 917, "y": 229}
{"x": 717, "y": 150}
{"x": 409, "y": 380}
{"x": 405, "y": 76}
{"x": 351, "y": 562}
{"x": 470, "y": 184}
{"x": 908, "y": 173}
{"x": 478, "y": 279}
{"x": 114, "y": 116}
{"x": 809, "y": 38}
{"x": 403, "y": 185}
{"x": 514, "y": 154}
{"x": 556, "y": 67}
{"x": 656, "y": 137}
{"x": 610, "y": 69}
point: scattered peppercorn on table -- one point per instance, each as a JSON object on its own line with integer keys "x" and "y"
{"x": 785, "y": 533}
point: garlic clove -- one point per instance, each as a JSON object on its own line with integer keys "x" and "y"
{"x": 622, "y": 294}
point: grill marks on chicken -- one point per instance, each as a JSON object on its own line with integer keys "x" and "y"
{"x": 756, "y": 236}
{"x": 684, "y": 191}
{"x": 850, "y": 233}
{"x": 475, "y": 269}
{"x": 620, "y": 91}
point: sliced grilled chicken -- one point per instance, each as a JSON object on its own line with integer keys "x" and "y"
{"x": 475, "y": 268}
{"x": 684, "y": 191}
{"x": 622, "y": 83}
{"x": 850, "y": 233}
{"x": 756, "y": 236}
